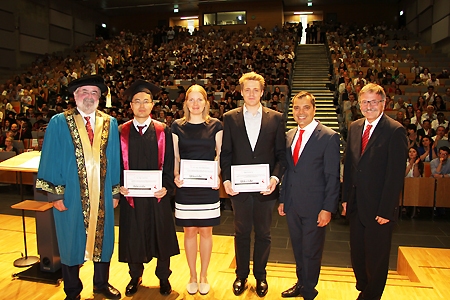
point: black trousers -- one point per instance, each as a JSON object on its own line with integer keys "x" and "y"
{"x": 248, "y": 214}
{"x": 162, "y": 270}
{"x": 308, "y": 242}
{"x": 370, "y": 248}
{"x": 71, "y": 276}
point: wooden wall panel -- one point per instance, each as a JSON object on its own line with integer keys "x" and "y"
{"x": 33, "y": 28}
{"x": 7, "y": 21}
{"x": 443, "y": 192}
{"x": 33, "y": 45}
{"x": 60, "y": 19}
{"x": 60, "y": 35}
{"x": 9, "y": 39}
{"x": 7, "y": 58}
{"x": 418, "y": 191}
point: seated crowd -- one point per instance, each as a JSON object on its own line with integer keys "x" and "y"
{"x": 215, "y": 59}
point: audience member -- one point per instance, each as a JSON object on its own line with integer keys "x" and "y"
{"x": 440, "y": 121}
{"x": 427, "y": 151}
{"x": 413, "y": 138}
{"x": 429, "y": 95}
{"x": 426, "y": 129}
{"x": 440, "y": 166}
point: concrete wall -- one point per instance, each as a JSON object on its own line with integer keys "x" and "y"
{"x": 32, "y": 27}
{"x": 430, "y": 20}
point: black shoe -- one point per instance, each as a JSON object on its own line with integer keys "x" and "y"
{"x": 132, "y": 287}
{"x": 292, "y": 292}
{"x": 109, "y": 292}
{"x": 165, "y": 288}
{"x": 261, "y": 287}
{"x": 239, "y": 286}
{"x": 73, "y": 298}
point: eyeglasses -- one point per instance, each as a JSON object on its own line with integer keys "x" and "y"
{"x": 370, "y": 102}
{"x": 139, "y": 102}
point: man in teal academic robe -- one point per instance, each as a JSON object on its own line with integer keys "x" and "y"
{"x": 80, "y": 170}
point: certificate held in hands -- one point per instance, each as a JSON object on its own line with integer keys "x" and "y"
{"x": 199, "y": 173}
{"x": 250, "y": 178}
{"x": 142, "y": 183}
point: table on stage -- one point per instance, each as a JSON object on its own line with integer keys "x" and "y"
{"x": 48, "y": 268}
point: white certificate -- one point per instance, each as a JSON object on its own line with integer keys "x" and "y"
{"x": 142, "y": 183}
{"x": 199, "y": 173}
{"x": 250, "y": 178}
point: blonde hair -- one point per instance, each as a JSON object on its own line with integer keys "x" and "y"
{"x": 252, "y": 76}
{"x": 372, "y": 88}
{"x": 187, "y": 113}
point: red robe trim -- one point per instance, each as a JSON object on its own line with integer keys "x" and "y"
{"x": 124, "y": 142}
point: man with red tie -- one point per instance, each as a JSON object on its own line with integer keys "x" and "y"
{"x": 373, "y": 178}
{"x": 310, "y": 192}
{"x": 79, "y": 168}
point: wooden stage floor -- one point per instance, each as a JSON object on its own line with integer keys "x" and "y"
{"x": 422, "y": 273}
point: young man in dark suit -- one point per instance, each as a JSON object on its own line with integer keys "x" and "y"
{"x": 253, "y": 134}
{"x": 310, "y": 192}
{"x": 374, "y": 172}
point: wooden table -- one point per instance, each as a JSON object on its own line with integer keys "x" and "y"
{"x": 28, "y": 162}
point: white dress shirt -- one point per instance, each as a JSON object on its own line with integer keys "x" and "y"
{"x": 146, "y": 124}
{"x": 91, "y": 118}
{"x": 252, "y": 125}
{"x": 309, "y": 129}
{"x": 374, "y": 124}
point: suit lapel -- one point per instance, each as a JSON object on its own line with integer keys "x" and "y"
{"x": 289, "y": 139}
{"x": 239, "y": 118}
{"x": 357, "y": 139}
{"x": 309, "y": 146}
{"x": 265, "y": 118}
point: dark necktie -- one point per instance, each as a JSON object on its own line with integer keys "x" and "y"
{"x": 365, "y": 138}
{"x": 296, "y": 152}
{"x": 89, "y": 130}
{"x": 141, "y": 128}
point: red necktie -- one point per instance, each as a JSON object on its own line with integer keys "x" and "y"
{"x": 89, "y": 130}
{"x": 365, "y": 138}
{"x": 296, "y": 152}
{"x": 141, "y": 128}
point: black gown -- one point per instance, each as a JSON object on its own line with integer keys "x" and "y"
{"x": 148, "y": 230}
{"x": 194, "y": 206}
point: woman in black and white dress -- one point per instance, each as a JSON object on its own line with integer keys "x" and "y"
{"x": 197, "y": 136}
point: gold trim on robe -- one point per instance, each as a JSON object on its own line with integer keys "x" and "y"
{"x": 50, "y": 187}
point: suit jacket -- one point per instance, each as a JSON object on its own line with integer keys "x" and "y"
{"x": 312, "y": 184}
{"x": 373, "y": 181}
{"x": 269, "y": 148}
{"x": 421, "y": 132}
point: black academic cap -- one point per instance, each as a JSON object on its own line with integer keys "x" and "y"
{"x": 140, "y": 85}
{"x": 94, "y": 80}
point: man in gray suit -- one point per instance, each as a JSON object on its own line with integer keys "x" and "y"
{"x": 310, "y": 191}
